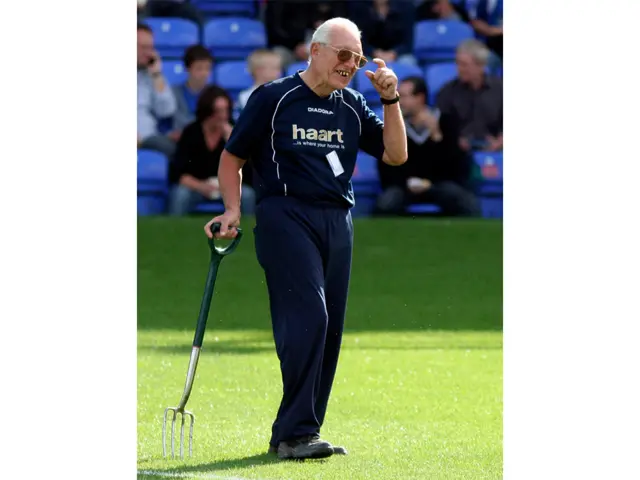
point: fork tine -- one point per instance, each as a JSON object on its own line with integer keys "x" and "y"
{"x": 193, "y": 419}
{"x": 173, "y": 434}
{"x": 182, "y": 436}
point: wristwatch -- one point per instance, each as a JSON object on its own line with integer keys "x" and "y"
{"x": 390, "y": 102}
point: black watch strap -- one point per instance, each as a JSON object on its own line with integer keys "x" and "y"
{"x": 391, "y": 102}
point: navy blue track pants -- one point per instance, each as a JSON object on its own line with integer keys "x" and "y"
{"x": 305, "y": 252}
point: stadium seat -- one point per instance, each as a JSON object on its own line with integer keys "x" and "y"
{"x": 233, "y": 76}
{"x": 366, "y": 184}
{"x": 437, "y": 76}
{"x": 490, "y": 164}
{"x": 403, "y": 70}
{"x": 363, "y": 85}
{"x": 153, "y": 171}
{"x": 151, "y": 204}
{"x": 174, "y": 72}
{"x": 219, "y": 8}
{"x": 212, "y": 206}
{"x": 423, "y": 209}
{"x": 234, "y": 38}
{"x": 294, "y": 67}
{"x": 436, "y": 40}
{"x": 152, "y": 182}
{"x": 172, "y": 36}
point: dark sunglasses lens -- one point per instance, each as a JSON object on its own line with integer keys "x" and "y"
{"x": 344, "y": 55}
{"x": 362, "y": 62}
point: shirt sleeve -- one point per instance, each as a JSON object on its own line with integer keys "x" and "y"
{"x": 253, "y": 123}
{"x": 371, "y": 140}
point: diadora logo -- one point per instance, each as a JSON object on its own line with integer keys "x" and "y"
{"x": 319, "y": 110}
{"x": 319, "y": 135}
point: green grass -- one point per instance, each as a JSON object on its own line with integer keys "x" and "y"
{"x": 418, "y": 392}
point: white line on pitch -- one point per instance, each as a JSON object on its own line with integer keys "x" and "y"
{"x": 160, "y": 473}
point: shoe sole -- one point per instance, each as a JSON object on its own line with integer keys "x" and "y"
{"x": 311, "y": 456}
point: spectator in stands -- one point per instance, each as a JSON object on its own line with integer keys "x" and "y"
{"x": 437, "y": 171}
{"x": 265, "y": 66}
{"x": 290, "y": 25}
{"x": 155, "y": 97}
{"x": 193, "y": 173}
{"x": 441, "y": 10}
{"x": 173, "y": 8}
{"x": 198, "y": 63}
{"x": 474, "y": 99}
{"x": 486, "y": 20}
{"x": 387, "y": 29}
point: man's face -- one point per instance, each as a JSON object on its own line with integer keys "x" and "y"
{"x": 469, "y": 70}
{"x": 328, "y": 63}
{"x": 145, "y": 48}
{"x": 199, "y": 72}
{"x": 409, "y": 103}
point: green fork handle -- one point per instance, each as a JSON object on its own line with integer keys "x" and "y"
{"x": 217, "y": 254}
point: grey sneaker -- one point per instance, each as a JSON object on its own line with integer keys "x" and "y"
{"x": 305, "y": 447}
{"x": 336, "y": 450}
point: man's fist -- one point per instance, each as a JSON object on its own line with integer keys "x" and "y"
{"x": 384, "y": 80}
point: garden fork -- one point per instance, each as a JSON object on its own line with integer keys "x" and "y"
{"x": 217, "y": 254}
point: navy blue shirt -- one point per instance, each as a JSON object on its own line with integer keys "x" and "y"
{"x": 303, "y": 145}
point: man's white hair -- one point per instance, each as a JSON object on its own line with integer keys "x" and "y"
{"x": 478, "y": 50}
{"x": 323, "y": 32}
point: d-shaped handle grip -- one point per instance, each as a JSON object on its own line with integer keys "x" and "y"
{"x": 215, "y": 228}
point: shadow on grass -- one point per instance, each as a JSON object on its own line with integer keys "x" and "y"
{"x": 228, "y": 464}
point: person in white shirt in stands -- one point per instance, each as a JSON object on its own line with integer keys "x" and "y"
{"x": 265, "y": 66}
{"x": 155, "y": 97}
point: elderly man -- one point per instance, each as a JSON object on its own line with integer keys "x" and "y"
{"x": 301, "y": 134}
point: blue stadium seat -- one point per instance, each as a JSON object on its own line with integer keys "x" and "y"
{"x": 294, "y": 67}
{"x": 152, "y": 182}
{"x": 219, "y": 8}
{"x": 172, "y": 36}
{"x": 403, "y": 70}
{"x": 233, "y": 76}
{"x": 151, "y": 204}
{"x": 210, "y": 206}
{"x": 437, "y": 76}
{"x": 234, "y": 38}
{"x": 423, "y": 209}
{"x": 153, "y": 171}
{"x": 174, "y": 71}
{"x": 362, "y": 84}
{"x": 490, "y": 164}
{"x": 436, "y": 40}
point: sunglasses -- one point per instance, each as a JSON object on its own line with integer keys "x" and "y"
{"x": 345, "y": 55}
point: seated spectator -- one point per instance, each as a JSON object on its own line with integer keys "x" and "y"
{"x": 265, "y": 66}
{"x": 436, "y": 171}
{"x": 193, "y": 173}
{"x": 474, "y": 99}
{"x": 290, "y": 25}
{"x": 387, "y": 29}
{"x": 155, "y": 97}
{"x": 441, "y": 10}
{"x": 198, "y": 63}
{"x": 486, "y": 20}
{"x": 173, "y": 8}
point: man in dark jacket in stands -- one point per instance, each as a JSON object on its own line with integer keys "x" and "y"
{"x": 437, "y": 171}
